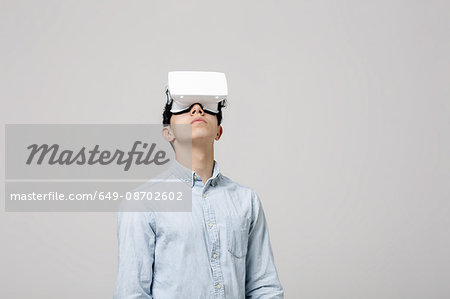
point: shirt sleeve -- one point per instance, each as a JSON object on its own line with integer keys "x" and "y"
{"x": 262, "y": 278}
{"x": 136, "y": 255}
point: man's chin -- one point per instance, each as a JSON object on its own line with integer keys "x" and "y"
{"x": 201, "y": 137}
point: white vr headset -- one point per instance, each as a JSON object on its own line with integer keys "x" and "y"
{"x": 186, "y": 88}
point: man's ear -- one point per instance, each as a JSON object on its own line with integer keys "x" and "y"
{"x": 219, "y": 133}
{"x": 167, "y": 134}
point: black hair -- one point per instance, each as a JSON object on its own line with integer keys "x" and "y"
{"x": 167, "y": 114}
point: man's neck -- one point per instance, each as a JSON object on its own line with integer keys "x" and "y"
{"x": 202, "y": 162}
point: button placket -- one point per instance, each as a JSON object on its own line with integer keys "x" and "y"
{"x": 209, "y": 215}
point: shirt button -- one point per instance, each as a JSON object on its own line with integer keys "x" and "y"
{"x": 214, "y": 256}
{"x": 210, "y": 225}
{"x": 204, "y": 195}
{"x": 218, "y": 286}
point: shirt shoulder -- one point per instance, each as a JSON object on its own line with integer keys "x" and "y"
{"x": 240, "y": 192}
{"x": 228, "y": 183}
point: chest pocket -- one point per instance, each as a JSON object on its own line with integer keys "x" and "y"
{"x": 237, "y": 235}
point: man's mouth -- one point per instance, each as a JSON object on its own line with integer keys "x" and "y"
{"x": 198, "y": 120}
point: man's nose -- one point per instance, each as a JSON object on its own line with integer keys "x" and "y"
{"x": 196, "y": 108}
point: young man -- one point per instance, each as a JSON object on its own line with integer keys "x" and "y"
{"x": 219, "y": 250}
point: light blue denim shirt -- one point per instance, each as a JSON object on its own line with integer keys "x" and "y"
{"x": 219, "y": 250}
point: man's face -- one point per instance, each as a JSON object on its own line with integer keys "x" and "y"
{"x": 204, "y": 125}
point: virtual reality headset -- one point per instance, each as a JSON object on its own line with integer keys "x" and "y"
{"x": 186, "y": 88}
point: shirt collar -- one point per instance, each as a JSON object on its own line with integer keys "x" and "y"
{"x": 188, "y": 175}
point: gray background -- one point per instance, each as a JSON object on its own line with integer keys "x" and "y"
{"x": 338, "y": 118}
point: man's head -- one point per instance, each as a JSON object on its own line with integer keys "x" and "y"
{"x": 195, "y": 99}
